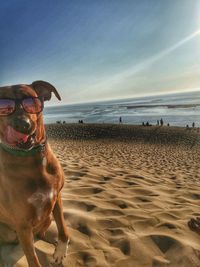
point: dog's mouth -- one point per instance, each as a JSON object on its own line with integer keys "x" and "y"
{"x": 17, "y": 139}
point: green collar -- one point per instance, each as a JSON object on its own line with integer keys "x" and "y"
{"x": 23, "y": 152}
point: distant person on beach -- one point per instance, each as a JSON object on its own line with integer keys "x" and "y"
{"x": 158, "y": 122}
{"x": 161, "y": 122}
{"x": 193, "y": 124}
{"x": 168, "y": 124}
{"x": 120, "y": 120}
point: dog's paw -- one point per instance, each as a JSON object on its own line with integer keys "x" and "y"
{"x": 60, "y": 251}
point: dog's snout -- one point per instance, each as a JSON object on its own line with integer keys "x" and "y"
{"x": 22, "y": 124}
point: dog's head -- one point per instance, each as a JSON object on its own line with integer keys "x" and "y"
{"x": 21, "y": 120}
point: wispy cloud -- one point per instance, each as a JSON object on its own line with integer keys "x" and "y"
{"x": 105, "y": 84}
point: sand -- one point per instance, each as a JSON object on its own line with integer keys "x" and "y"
{"x": 128, "y": 195}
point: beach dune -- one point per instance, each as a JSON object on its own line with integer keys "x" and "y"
{"x": 129, "y": 193}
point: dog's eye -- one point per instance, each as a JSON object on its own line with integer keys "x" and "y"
{"x": 32, "y": 105}
{"x": 7, "y": 106}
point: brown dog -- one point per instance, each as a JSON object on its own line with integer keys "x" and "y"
{"x": 30, "y": 175}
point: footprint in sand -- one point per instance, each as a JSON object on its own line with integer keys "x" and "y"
{"x": 84, "y": 229}
{"x": 131, "y": 183}
{"x": 106, "y": 178}
{"x": 163, "y": 242}
{"x": 120, "y": 203}
{"x": 97, "y": 190}
{"x": 167, "y": 225}
{"x": 123, "y": 244}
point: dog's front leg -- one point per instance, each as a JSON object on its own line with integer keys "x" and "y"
{"x": 25, "y": 236}
{"x": 63, "y": 237}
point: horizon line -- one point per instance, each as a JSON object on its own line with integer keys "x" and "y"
{"x": 125, "y": 98}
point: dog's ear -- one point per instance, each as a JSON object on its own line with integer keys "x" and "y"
{"x": 45, "y": 89}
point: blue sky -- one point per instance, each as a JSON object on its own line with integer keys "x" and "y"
{"x": 101, "y": 49}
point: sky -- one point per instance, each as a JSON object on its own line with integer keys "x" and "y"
{"x": 95, "y": 50}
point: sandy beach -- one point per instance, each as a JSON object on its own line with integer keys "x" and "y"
{"x": 129, "y": 193}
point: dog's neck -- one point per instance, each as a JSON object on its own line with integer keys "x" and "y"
{"x": 39, "y": 148}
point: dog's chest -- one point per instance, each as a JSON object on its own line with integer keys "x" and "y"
{"x": 42, "y": 201}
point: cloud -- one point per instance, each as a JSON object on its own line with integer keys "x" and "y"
{"x": 107, "y": 84}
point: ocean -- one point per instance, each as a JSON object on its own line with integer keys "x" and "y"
{"x": 177, "y": 109}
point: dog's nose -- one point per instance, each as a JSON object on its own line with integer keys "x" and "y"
{"x": 22, "y": 124}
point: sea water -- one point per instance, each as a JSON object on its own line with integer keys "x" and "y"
{"x": 177, "y": 109}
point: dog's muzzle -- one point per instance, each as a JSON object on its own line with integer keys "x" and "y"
{"x": 15, "y": 138}
{"x": 20, "y": 132}
{"x": 22, "y": 125}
